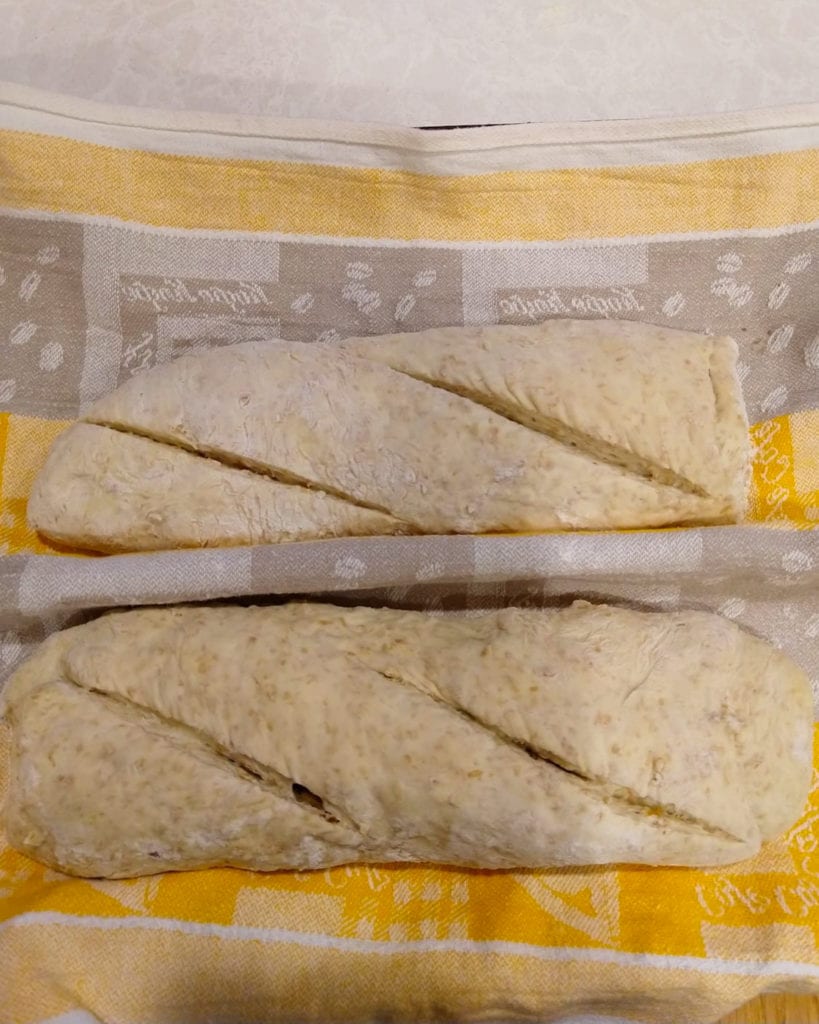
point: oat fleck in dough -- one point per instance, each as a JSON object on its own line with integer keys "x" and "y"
{"x": 307, "y": 735}
{"x": 562, "y": 425}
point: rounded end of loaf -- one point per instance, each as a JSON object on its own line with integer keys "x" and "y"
{"x": 777, "y": 749}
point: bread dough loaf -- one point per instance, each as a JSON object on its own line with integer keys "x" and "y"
{"x": 305, "y": 735}
{"x": 114, "y": 492}
{"x": 566, "y": 425}
{"x": 662, "y": 403}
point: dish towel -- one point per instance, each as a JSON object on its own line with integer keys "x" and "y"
{"x": 128, "y": 238}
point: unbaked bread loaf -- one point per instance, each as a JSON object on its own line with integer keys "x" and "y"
{"x": 306, "y": 735}
{"x": 110, "y": 491}
{"x": 662, "y": 403}
{"x": 564, "y": 425}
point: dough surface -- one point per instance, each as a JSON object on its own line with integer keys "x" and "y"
{"x": 109, "y": 491}
{"x": 304, "y": 735}
{"x": 566, "y": 425}
{"x": 660, "y": 402}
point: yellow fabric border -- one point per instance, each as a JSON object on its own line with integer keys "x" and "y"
{"x": 177, "y": 977}
{"x": 775, "y": 496}
{"x": 63, "y": 175}
{"x": 733, "y": 912}
{"x": 24, "y": 444}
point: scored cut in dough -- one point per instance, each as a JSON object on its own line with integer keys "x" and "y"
{"x": 661, "y": 402}
{"x": 150, "y": 804}
{"x": 566, "y": 425}
{"x": 109, "y": 491}
{"x": 516, "y": 738}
